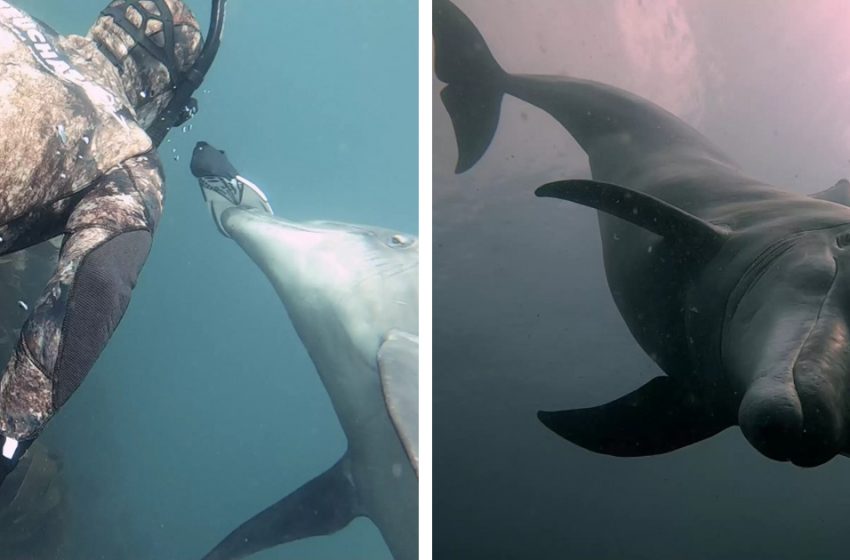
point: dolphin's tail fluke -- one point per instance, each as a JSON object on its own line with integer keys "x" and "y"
{"x": 473, "y": 96}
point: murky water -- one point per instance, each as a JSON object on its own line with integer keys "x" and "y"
{"x": 205, "y": 408}
{"x": 523, "y": 319}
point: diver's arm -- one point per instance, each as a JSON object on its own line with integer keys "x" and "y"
{"x": 108, "y": 236}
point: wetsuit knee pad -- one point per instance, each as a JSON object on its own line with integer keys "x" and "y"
{"x": 97, "y": 301}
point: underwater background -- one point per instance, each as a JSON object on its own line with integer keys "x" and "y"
{"x": 205, "y": 408}
{"x": 523, "y": 319}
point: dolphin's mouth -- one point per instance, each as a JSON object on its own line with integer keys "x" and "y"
{"x": 319, "y": 226}
{"x": 322, "y": 226}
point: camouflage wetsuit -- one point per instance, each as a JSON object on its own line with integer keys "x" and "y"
{"x": 73, "y": 161}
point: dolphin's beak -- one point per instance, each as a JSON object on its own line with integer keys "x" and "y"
{"x": 799, "y": 415}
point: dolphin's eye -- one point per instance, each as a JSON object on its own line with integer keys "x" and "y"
{"x": 843, "y": 240}
{"x": 399, "y": 241}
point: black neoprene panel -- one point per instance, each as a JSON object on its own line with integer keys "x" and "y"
{"x": 98, "y": 299}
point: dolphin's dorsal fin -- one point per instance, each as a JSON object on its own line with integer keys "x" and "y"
{"x": 322, "y": 506}
{"x": 398, "y": 364}
{"x": 640, "y": 209}
{"x": 839, "y": 193}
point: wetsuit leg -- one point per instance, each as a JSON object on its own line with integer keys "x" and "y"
{"x": 107, "y": 240}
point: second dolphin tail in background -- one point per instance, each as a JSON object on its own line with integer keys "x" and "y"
{"x": 473, "y": 96}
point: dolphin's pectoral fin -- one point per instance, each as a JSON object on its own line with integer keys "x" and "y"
{"x": 838, "y": 193}
{"x": 323, "y": 506}
{"x": 661, "y": 416}
{"x": 475, "y": 112}
{"x": 641, "y": 209}
{"x": 398, "y": 363}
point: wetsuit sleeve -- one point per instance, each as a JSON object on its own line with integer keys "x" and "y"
{"x": 107, "y": 240}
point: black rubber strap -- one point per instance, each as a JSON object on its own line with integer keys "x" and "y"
{"x": 164, "y": 54}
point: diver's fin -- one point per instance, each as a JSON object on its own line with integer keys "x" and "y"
{"x": 222, "y": 186}
{"x": 661, "y": 416}
{"x": 398, "y": 363}
{"x": 323, "y": 506}
{"x": 641, "y": 209}
{"x": 253, "y": 196}
{"x": 473, "y": 97}
{"x": 222, "y": 193}
{"x": 838, "y": 193}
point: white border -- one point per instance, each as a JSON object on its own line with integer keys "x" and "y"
{"x": 425, "y": 240}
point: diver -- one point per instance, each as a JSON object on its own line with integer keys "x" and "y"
{"x": 82, "y": 118}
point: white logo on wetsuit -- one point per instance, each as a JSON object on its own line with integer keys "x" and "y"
{"x": 40, "y": 45}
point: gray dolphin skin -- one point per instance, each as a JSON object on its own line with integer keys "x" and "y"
{"x": 352, "y": 295}
{"x": 738, "y": 290}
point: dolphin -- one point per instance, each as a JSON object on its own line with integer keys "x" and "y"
{"x": 737, "y": 289}
{"x": 351, "y": 293}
